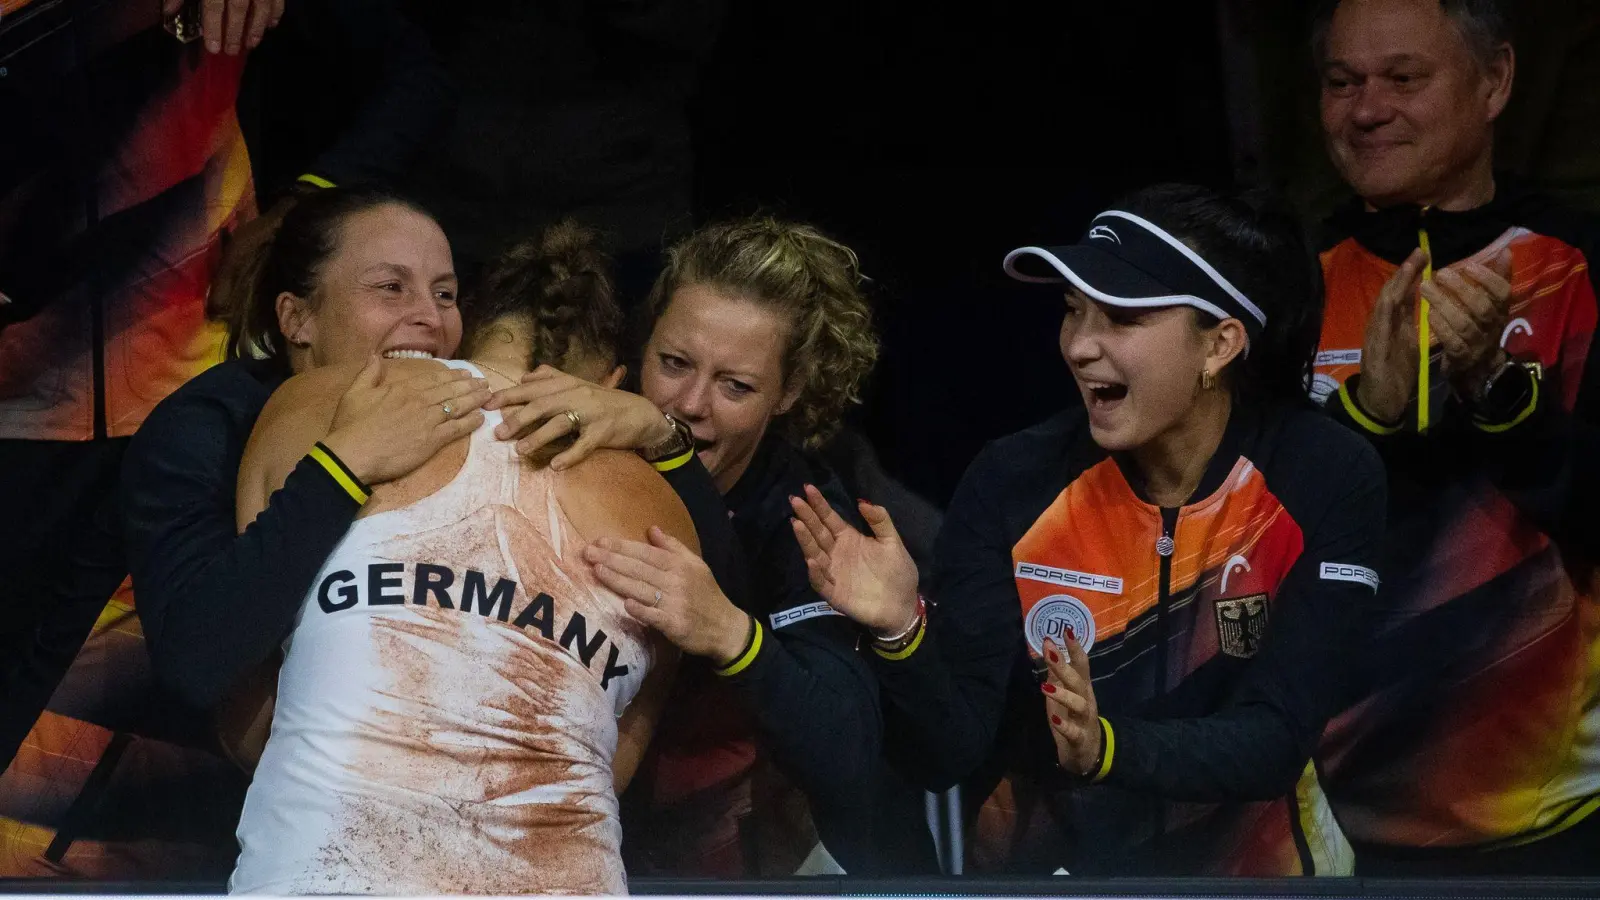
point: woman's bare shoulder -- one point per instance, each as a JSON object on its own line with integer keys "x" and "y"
{"x": 617, "y": 494}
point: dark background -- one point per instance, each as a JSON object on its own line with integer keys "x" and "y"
{"x": 934, "y": 141}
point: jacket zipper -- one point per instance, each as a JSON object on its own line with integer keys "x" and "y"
{"x": 1165, "y": 547}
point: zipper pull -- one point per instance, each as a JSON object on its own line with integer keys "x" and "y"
{"x": 1169, "y": 522}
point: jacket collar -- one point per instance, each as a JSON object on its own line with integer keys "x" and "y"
{"x": 1392, "y": 233}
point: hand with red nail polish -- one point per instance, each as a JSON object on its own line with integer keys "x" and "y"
{"x": 1069, "y": 701}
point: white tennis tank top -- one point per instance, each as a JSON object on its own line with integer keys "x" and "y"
{"x": 447, "y": 708}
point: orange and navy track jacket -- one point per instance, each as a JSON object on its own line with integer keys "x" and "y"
{"x": 1478, "y": 720}
{"x": 1216, "y": 635}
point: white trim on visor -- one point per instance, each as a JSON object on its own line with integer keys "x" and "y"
{"x": 1102, "y": 296}
{"x": 1193, "y": 257}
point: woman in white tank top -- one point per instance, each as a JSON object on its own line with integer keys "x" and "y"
{"x": 460, "y": 700}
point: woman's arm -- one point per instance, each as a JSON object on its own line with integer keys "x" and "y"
{"x": 216, "y": 600}
{"x": 809, "y": 691}
{"x": 379, "y": 421}
{"x": 807, "y": 685}
{"x": 719, "y": 545}
{"x": 944, "y": 692}
{"x": 638, "y": 724}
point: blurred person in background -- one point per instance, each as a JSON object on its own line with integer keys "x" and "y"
{"x": 576, "y": 109}
{"x": 122, "y": 171}
{"x": 362, "y": 126}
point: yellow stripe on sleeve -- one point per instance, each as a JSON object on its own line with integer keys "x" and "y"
{"x": 339, "y": 473}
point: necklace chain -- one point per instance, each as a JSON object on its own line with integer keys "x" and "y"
{"x": 496, "y": 371}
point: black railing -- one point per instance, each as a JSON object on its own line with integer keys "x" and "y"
{"x": 843, "y": 886}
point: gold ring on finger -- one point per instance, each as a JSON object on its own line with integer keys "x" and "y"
{"x": 575, "y": 419}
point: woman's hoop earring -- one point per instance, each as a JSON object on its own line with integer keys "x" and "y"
{"x": 1207, "y": 380}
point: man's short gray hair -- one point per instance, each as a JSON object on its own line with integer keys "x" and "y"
{"x": 1483, "y": 24}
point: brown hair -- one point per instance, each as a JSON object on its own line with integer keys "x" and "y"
{"x": 811, "y": 278}
{"x": 559, "y": 282}
{"x": 271, "y": 258}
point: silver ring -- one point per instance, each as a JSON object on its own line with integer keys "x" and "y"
{"x": 575, "y": 419}
{"x": 448, "y": 409}
{"x": 658, "y": 598}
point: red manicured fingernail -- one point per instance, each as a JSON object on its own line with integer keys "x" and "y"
{"x": 1055, "y": 720}
{"x": 1048, "y": 688}
{"x": 863, "y": 500}
{"x": 1054, "y": 657}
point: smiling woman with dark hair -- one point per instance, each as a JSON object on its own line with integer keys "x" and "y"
{"x": 1139, "y": 608}
{"x": 349, "y": 274}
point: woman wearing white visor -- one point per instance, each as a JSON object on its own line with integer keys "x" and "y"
{"x": 1140, "y": 607}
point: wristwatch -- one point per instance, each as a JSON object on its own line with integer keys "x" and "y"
{"x": 1508, "y": 392}
{"x": 681, "y": 442}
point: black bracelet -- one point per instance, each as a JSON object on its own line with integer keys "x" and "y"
{"x": 1088, "y": 776}
{"x": 1100, "y": 760}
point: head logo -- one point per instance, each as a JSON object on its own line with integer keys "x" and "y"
{"x": 1055, "y": 618}
{"x": 1104, "y": 232}
{"x": 1237, "y": 562}
{"x": 1518, "y": 325}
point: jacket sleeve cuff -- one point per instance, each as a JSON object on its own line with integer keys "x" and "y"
{"x": 667, "y": 465}
{"x": 335, "y": 468}
{"x": 1351, "y": 410}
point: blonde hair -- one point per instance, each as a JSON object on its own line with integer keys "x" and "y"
{"x": 812, "y": 279}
